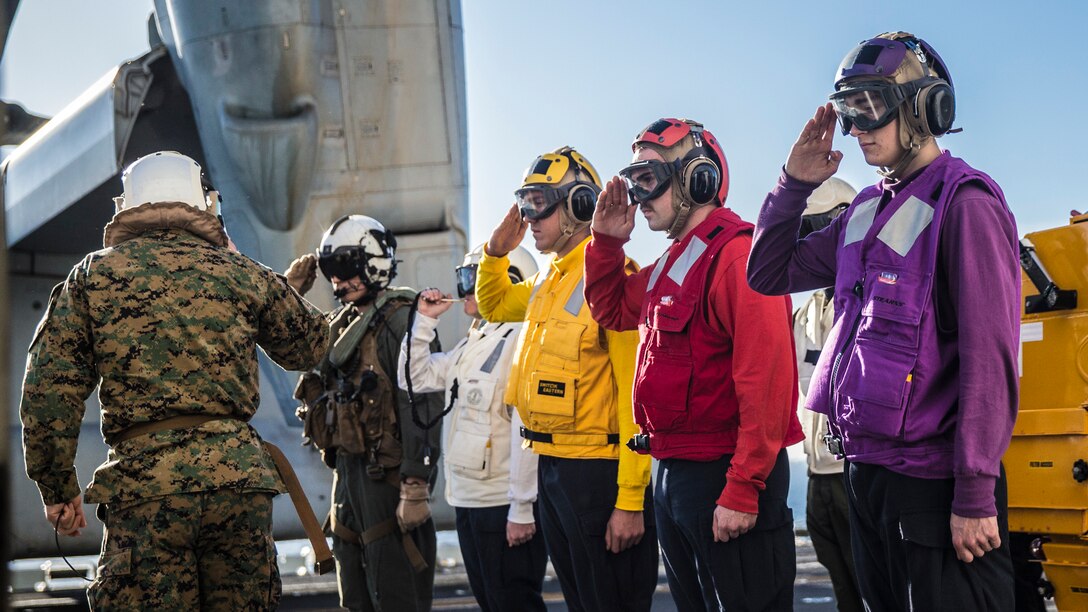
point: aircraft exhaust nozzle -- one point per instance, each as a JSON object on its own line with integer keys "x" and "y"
{"x": 274, "y": 162}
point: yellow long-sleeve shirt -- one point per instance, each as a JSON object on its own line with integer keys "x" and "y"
{"x": 570, "y": 377}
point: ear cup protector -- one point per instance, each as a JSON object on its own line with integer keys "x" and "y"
{"x": 700, "y": 180}
{"x": 935, "y": 103}
{"x": 582, "y": 201}
{"x": 936, "y": 108}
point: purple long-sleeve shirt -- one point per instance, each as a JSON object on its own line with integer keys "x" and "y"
{"x": 976, "y": 293}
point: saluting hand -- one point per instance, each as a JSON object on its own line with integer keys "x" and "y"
{"x": 302, "y": 273}
{"x": 613, "y": 215}
{"x": 507, "y": 234}
{"x": 812, "y": 159}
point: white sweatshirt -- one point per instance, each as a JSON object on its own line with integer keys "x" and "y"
{"x": 483, "y": 461}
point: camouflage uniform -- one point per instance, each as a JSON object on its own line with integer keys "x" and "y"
{"x": 379, "y": 576}
{"x": 166, "y": 322}
{"x": 200, "y": 532}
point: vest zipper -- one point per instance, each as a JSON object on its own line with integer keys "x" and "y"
{"x": 859, "y": 291}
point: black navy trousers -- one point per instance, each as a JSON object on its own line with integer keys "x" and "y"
{"x": 753, "y": 572}
{"x": 902, "y": 542}
{"x": 577, "y": 497}
{"x": 827, "y": 515}
{"x": 503, "y": 578}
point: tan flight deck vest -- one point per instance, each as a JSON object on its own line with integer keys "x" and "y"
{"x": 349, "y": 404}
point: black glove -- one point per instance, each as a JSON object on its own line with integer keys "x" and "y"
{"x": 328, "y": 455}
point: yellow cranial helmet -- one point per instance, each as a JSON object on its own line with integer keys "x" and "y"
{"x": 564, "y": 181}
{"x": 550, "y": 168}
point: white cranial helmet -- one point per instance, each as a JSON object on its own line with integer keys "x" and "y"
{"x": 831, "y": 193}
{"x": 522, "y": 266}
{"x": 826, "y": 203}
{"x": 166, "y": 176}
{"x": 357, "y": 245}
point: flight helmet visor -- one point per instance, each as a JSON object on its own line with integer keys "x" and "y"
{"x": 344, "y": 263}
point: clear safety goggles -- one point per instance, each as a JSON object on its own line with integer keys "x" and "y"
{"x": 540, "y": 201}
{"x": 466, "y": 280}
{"x": 869, "y": 105}
{"x": 649, "y": 178}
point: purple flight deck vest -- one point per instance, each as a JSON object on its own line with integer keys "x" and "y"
{"x": 887, "y": 380}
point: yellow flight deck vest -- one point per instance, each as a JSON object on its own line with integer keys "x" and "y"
{"x": 570, "y": 379}
{"x": 562, "y": 379}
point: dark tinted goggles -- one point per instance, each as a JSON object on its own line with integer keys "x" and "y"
{"x": 466, "y": 280}
{"x": 344, "y": 263}
{"x": 649, "y": 178}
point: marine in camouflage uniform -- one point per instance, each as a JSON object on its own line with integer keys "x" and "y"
{"x": 165, "y": 321}
{"x": 385, "y": 464}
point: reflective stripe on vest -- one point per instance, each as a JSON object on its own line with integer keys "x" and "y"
{"x": 902, "y": 230}
{"x": 679, "y": 270}
{"x": 577, "y": 299}
{"x": 496, "y": 353}
{"x": 536, "y": 286}
{"x": 860, "y": 221}
{"x": 658, "y": 267}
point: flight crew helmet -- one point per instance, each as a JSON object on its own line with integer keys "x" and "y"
{"x": 166, "y": 176}
{"x": 694, "y": 166}
{"x": 358, "y": 245}
{"x": 522, "y": 266}
{"x": 562, "y": 181}
{"x": 895, "y": 75}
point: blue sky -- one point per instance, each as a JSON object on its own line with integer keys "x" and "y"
{"x": 591, "y": 74}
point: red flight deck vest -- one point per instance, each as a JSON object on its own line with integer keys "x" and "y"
{"x": 684, "y": 396}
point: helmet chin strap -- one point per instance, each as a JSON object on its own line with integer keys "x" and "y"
{"x": 567, "y": 227}
{"x": 910, "y": 141}
{"x": 896, "y": 172}
{"x": 559, "y": 243}
{"x": 682, "y": 207}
